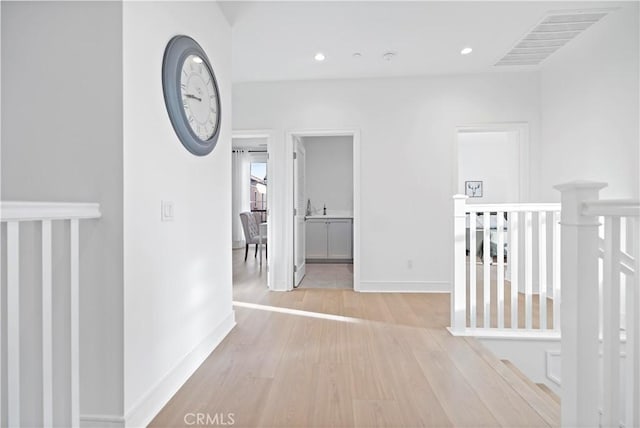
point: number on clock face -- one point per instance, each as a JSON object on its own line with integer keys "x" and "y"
{"x": 199, "y": 97}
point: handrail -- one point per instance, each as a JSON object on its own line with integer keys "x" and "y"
{"x": 626, "y": 260}
{"x": 515, "y": 207}
{"x": 34, "y": 211}
{"x": 612, "y": 207}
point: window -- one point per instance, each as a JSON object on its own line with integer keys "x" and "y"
{"x": 259, "y": 190}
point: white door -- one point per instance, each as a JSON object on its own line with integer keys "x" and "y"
{"x": 299, "y": 210}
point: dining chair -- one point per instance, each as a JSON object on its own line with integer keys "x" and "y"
{"x": 251, "y": 233}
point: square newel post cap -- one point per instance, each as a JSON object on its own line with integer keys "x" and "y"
{"x": 574, "y": 194}
{"x": 580, "y": 185}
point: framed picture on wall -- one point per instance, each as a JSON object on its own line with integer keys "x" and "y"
{"x": 473, "y": 189}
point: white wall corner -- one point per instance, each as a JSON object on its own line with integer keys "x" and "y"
{"x": 404, "y": 287}
{"x": 148, "y": 406}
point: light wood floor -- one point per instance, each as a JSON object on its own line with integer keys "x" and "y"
{"x": 346, "y": 359}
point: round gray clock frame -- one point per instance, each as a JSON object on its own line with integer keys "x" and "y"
{"x": 178, "y": 50}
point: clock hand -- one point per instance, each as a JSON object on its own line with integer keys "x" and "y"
{"x": 193, "y": 96}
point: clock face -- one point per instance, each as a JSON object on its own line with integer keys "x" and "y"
{"x": 191, "y": 95}
{"x": 199, "y": 97}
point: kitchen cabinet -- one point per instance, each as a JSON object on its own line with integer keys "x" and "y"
{"x": 329, "y": 239}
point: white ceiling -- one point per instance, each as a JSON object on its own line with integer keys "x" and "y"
{"x": 278, "y": 40}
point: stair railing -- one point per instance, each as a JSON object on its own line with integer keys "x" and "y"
{"x": 45, "y": 213}
{"x": 525, "y": 300}
{"x": 600, "y": 308}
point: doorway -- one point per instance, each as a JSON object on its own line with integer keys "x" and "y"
{"x": 323, "y": 229}
{"x": 492, "y": 163}
{"x": 491, "y": 166}
{"x": 325, "y": 197}
{"x": 251, "y": 195}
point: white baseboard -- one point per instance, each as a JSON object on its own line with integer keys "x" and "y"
{"x": 507, "y": 334}
{"x": 404, "y": 287}
{"x": 148, "y": 406}
{"x": 101, "y": 421}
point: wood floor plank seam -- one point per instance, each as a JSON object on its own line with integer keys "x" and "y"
{"x": 349, "y": 360}
{"x": 548, "y": 410}
{"x": 510, "y": 409}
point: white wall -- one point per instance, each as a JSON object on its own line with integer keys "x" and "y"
{"x": 407, "y": 157}
{"x": 538, "y": 359}
{"x": 493, "y": 158}
{"x": 177, "y": 274}
{"x": 329, "y": 173}
{"x": 62, "y": 141}
{"x": 590, "y": 113}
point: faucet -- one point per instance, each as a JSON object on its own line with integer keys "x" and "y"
{"x": 324, "y": 210}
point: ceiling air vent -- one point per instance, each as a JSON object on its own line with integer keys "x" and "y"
{"x": 549, "y": 35}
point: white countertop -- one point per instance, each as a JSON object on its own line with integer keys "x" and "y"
{"x": 329, "y": 216}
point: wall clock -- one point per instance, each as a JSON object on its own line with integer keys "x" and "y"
{"x": 191, "y": 95}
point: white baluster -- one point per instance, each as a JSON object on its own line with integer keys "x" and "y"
{"x": 459, "y": 299}
{"x": 2, "y": 328}
{"x": 514, "y": 222}
{"x": 623, "y": 278}
{"x": 632, "y": 365}
{"x": 500, "y": 267}
{"x": 12, "y": 213}
{"x": 1, "y": 352}
{"x": 542, "y": 268}
{"x": 556, "y": 271}
{"x": 486, "y": 266}
{"x": 528, "y": 269}
{"x": 611, "y": 323}
{"x": 75, "y": 315}
{"x": 13, "y": 324}
{"x": 473, "y": 284}
{"x": 47, "y": 325}
{"x": 634, "y": 331}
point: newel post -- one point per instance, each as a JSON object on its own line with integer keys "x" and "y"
{"x": 459, "y": 289}
{"x": 579, "y": 300}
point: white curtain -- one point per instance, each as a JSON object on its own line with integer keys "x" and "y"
{"x": 241, "y": 188}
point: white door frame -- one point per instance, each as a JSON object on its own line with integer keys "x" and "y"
{"x": 288, "y": 194}
{"x": 522, "y": 130}
{"x": 299, "y": 236}
{"x": 267, "y": 135}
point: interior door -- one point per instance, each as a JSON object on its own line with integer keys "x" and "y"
{"x": 299, "y": 210}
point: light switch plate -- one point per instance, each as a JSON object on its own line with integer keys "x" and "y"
{"x": 166, "y": 211}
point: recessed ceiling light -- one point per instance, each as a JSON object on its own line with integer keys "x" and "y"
{"x": 319, "y": 56}
{"x": 388, "y": 56}
{"x": 357, "y": 55}
{"x": 466, "y": 51}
